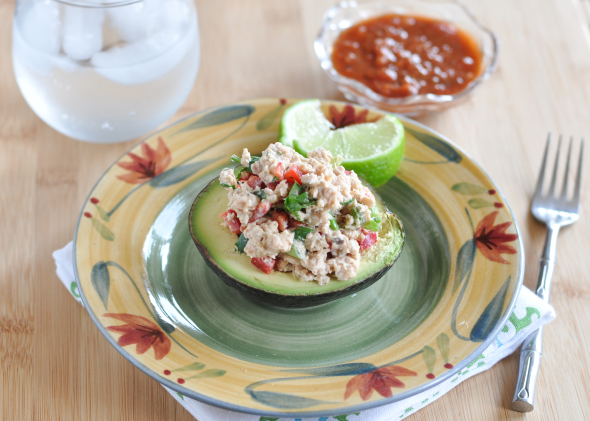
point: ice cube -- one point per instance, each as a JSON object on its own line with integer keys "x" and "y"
{"x": 40, "y": 26}
{"x": 30, "y": 55}
{"x": 169, "y": 14}
{"x": 42, "y": 64}
{"x": 82, "y": 32}
{"x": 146, "y": 60}
{"x": 130, "y": 21}
{"x": 138, "y": 21}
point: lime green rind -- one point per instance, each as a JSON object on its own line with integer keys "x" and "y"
{"x": 377, "y": 171}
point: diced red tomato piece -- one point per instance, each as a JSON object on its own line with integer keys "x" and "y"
{"x": 347, "y": 172}
{"x": 369, "y": 240}
{"x": 261, "y": 210}
{"x": 233, "y": 223}
{"x": 279, "y": 171}
{"x": 235, "y": 226}
{"x": 273, "y": 185}
{"x": 294, "y": 174}
{"x": 245, "y": 175}
{"x": 254, "y": 181}
{"x": 282, "y": 219}
{"x": 294, "y": 223}
{"x": 265, "y": 264}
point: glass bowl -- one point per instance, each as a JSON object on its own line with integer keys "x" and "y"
{"x": 348, "y": 13}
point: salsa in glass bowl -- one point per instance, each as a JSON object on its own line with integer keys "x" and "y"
{"x": 405, "y": 56}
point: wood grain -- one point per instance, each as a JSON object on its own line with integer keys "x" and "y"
{"x": 54, "y": 364}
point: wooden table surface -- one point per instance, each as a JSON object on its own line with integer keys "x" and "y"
{"x": 55, "y": 364}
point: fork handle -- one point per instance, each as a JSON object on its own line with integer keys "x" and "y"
{"x": 528, "y": 370}
{"x": 532, "y": 347}
{"x": 547, "y": 264}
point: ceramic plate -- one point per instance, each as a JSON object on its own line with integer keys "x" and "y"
{"x": 153, "y": 297}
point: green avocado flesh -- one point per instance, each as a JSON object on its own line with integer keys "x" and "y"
{"x": 217, "y": 245}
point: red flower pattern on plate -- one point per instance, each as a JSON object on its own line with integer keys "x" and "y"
{"x": 153, "y": 163}
{"x": 142, "y": 332}
{"x": 491, "y": 239}
{"x": 347, "y": 116}
{"x": 381, "y": 379}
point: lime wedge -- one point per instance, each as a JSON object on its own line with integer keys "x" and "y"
{"x": 373, "y": 150}
{"x": 303, "y": 120}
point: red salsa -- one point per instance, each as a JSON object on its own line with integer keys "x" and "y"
{"x": 401, "y": 55}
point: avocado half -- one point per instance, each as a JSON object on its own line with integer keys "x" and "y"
{"x": 217, "y": 246}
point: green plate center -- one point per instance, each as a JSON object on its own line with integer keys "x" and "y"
{"x": 187, "y": 294}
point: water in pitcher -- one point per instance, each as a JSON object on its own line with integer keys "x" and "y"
{"x": 102, "y": 73}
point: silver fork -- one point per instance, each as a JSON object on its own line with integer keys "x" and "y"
{"x": 555, "y": 211}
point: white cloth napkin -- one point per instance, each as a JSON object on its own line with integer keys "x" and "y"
{"x": 529, "y": 314}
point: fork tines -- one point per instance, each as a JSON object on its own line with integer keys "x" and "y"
{"x": 563, "y": 195}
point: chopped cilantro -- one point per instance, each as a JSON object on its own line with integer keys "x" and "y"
{"x": 241, "y": 243}
{"x": 301, "y": 233}
{"x": 228, "y": 185}
{"x": 239, "y": 170}
{"x": 236, "y": 159}
{"x": 372, "y": 226}
{"x": 357, "y": 214}
{"x": 297, "y": 250}
{"x": 297, "y": 200}
{"x": 253, "y": 159}
{"x": 375, "y": 223}
{"x": 375, "y": 215}
{"x": 333, "y": 224}
{"x": 348, "y": 202}
{"x": 296, "y": 190}
{"x": 261, "y": 194}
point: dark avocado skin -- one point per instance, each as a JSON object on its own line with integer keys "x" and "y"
{"x": 285, "y": 300}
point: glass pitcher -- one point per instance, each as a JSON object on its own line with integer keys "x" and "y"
{"x": 102, "y": 71}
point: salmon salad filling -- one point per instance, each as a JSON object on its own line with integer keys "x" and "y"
{"x": 308, "y": 216}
